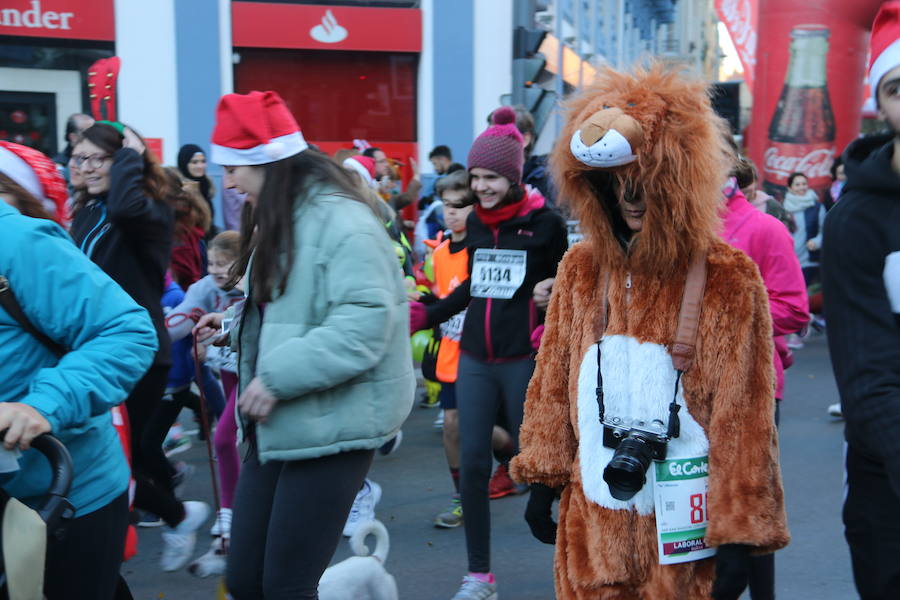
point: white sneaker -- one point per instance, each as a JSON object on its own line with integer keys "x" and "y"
{"x": 222, "y": 526}
{"x": 794, "y": 342}
{"x": 363, "y": 509}
{"x": 178, "y": 542}
{"x": 439, "y": 422}
{"x": 475, "y": 589}
{"x": 835, "y": 410}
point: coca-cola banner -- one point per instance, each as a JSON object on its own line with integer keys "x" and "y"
{"x": 740, "y": 18}
{"x": 808, "y": 90}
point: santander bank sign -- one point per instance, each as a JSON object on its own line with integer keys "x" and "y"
{"x": 74, "y": 19}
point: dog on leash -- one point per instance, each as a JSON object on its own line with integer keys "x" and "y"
{"x": 361, "y": 577}
{"x": 213, "y": 562}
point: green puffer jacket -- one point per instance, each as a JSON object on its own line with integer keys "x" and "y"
{"x": 334, "y": 349}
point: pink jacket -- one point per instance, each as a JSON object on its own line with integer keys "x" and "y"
{"x": 767, "y": 241}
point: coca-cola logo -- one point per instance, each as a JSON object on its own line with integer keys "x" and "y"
{"x": 738, "y": 16}
{"x": 814, "y": 164}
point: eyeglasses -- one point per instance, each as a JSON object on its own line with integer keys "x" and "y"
{"x": 92, "y": 161}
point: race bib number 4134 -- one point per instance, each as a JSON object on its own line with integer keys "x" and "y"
{"x": 497, "y": 273}
{"x": 679, "y": 490}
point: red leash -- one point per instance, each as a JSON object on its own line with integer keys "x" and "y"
{"x": 204, "y": 423}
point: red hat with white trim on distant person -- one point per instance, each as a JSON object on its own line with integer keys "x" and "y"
{"x": 885, "y": 44}
{"x": 37, "y": 175}
{"x": 254, "y": 129}
{"x": 362, "y": 165}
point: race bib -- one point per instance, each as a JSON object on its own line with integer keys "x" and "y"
{"x": 679, "y": 491}
{"x": 452, "y": 328}
{"x": 497, "y": 273}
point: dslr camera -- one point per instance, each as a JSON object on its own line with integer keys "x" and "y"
{"x": 636, "y": 444}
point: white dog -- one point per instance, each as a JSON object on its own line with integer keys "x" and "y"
{"x": 213, "y": 562}
{"x": 361, "y": 577}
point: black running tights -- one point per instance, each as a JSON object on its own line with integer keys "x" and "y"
{"x": 288, "y": 518}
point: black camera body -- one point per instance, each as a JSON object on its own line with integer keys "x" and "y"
{"x": 636, "y": 445}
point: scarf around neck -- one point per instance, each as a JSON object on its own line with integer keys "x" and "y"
{"x": 794, "y": 203}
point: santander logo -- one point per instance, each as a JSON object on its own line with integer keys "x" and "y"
{"x": 35, "y": 18}
{"x": 329, "y": 31}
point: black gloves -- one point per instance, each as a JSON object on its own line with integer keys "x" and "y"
{"x": 732, "y": 571}
{"x": 538, "y": 513}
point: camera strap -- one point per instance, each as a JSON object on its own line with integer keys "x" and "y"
{"x": 683, "y": 348}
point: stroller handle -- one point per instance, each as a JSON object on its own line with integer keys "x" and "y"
{"x": 56, "y": 506}
{"x": 60, "y": 463}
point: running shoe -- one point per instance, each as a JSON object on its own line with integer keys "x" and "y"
{"x": 183, "y": 472}
{"x": 429, "y": 401}
{"x": 390, "y": 446}
{"x": 501, "y": 484}
{"x": 794, "y": 341}
{"x": 835, "y": 410}
{"x": 363, "y": 509}
{"x": 176, "y": 441}
{"x": 222, "y": 526}
{"x": 148, "y": 519}
{"x": 452, "y": 517}
{"x": 179, "y": 541}
{"x": 439, "y": 422}
{"x": 475, "y": 589}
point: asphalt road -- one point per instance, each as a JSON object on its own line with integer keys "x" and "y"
{"x": 428, "y": 563}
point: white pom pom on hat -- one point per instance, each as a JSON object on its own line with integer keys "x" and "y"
{"x": 254, "y": 129}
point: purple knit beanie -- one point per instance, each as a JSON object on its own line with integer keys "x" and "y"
{"x": 500, "y": 148}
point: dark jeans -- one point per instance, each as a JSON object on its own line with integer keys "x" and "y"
{"x": 84, "y": 565}
{"x": 482, "y": 391}
{"x": 762, "y": 568}
{"x": 288, "y": 518}
{"x": 150, "y": 467}
{"x": 872, "y": 528}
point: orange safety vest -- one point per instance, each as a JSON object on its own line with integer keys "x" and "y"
{"x": 450, "y": 270}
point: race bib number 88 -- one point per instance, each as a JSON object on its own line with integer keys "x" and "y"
{"x": 497, "y": 273}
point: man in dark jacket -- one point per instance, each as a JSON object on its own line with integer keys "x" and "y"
{"x": 861, "y": 276}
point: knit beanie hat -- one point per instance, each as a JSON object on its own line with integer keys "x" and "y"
{"x": 501, "y": 147}
{"x": 37, "y": 175}
{"x": 364, "y": 166}
{"x": 884, "y": 46}
{"x": 254, "y": 129}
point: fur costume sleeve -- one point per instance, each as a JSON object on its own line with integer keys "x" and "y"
{"x": 547, "y": 441}
{"x": 746, "y": 499}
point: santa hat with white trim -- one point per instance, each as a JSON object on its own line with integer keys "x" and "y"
{"x": 37, "y": 175}
{"x": 362, "y": 165}
{"x": 254, "y": 129}
{"x": 885, "y": 44}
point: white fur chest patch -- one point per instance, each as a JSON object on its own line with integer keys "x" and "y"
{"x": 638, "y": 382}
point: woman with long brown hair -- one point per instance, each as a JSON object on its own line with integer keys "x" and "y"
{"x": 323, "y": 349}
{"x": 124, "y": 223}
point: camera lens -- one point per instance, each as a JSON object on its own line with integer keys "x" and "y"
{"x": 626, "y": 473}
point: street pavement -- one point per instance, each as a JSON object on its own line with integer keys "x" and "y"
{"x": 428, "y": 563}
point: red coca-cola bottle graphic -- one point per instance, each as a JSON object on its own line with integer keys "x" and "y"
{"x": 801, "y": 134}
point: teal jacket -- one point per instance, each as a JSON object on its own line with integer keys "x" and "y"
{"x": 334, "y": 348}
{"x": 111, "y": 344}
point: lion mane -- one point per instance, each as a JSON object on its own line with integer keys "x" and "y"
{"x": 682, "y": 162}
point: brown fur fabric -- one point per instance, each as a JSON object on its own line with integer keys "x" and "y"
{"x": 611, "y": 554}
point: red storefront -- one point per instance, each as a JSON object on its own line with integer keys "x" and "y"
{"x": 346, "y": 72}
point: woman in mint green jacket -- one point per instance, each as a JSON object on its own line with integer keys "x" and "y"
{"x": 323, "y": 349}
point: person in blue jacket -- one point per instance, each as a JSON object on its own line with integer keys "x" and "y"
{"x": 110, "y": 343}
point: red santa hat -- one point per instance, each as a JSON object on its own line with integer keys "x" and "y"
{"x": 254, "y": 129}
{"x": 364, "y": 166}
{"x": 885, "y": 43}
{"x": 37, "y": 175}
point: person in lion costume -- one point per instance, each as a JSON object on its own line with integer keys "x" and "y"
{"x": 641, "y": 162}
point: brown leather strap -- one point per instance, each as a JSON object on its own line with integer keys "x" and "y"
{"x": 683, "y": 348}
{"x": 604, "y": 308}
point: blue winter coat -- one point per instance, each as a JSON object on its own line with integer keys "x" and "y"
{"x": 111, "y": 343}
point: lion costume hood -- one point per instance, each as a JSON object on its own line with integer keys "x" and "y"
{"x": 652, "y": 134}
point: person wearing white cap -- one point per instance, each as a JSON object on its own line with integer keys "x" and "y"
{"x": 861, "y": 286}
{"x": 324, "y": 360}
